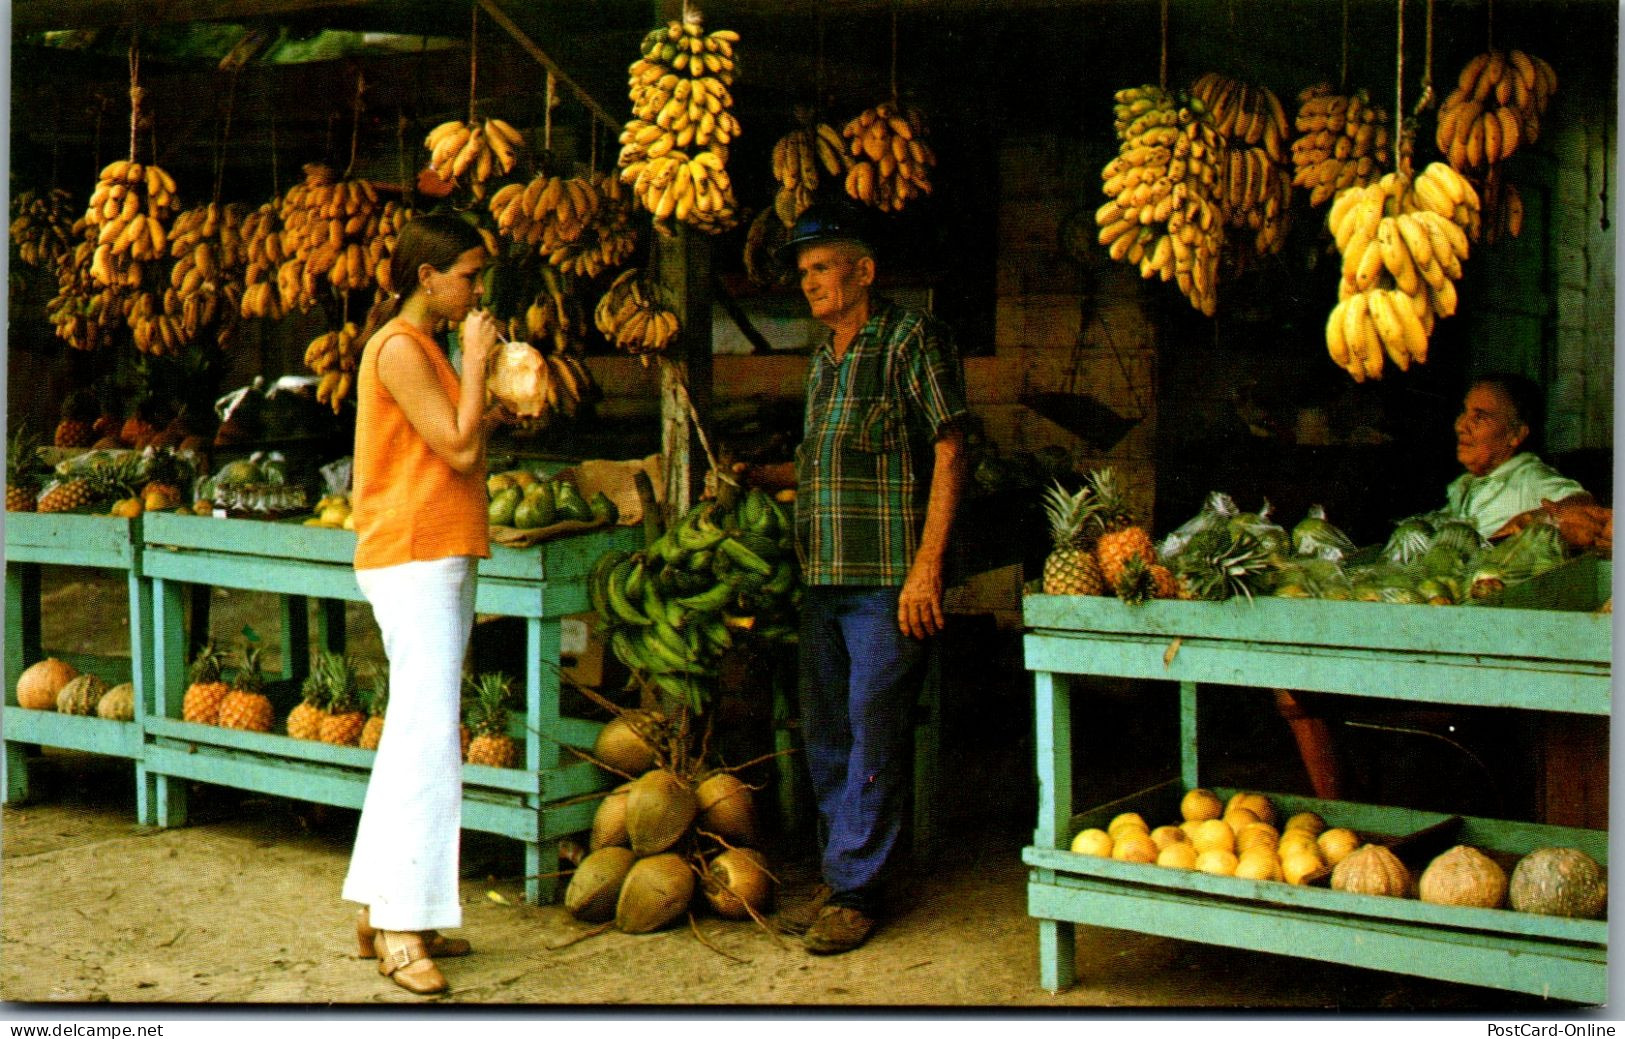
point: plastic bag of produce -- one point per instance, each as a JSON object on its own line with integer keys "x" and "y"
{"x": 1412, "y": 537}
{"x": 1309, "y": 577}
{"x": 1317, "y": 538}
{"x": 1216, "y": 512}
{"x": 1532, "y": 551}
{"x": 1274, "y": 537}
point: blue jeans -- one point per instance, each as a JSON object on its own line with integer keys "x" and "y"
{"x": 860, "y": 680}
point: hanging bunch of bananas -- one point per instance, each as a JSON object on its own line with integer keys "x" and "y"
{"x": 554, "y": 315}
{"x": 608, "y": 239}
{"x": 84, "y": 313}
{"x": 326, "y": 227}
{"x": 1342, "y": 143}
{"x": 1257, "y": 179}
{"x": 42, "y": 227}
{"x": 129, "y": 211}
{"x": 674, "y": 149}
{"x": 334, "y": 356}
{"x": 1165, "y": 210}
{"x": 262, "y": 260}
{"x": 151, "y": 329}
{"x": 1497, "y": 104}
{"x": 548, "y": 212}
{"x": 891, "y": 163}
{"x": 1403, "y": 241}
{"x": 717, "y": 575}
{"x": 205, "y": 282}
{"x": 473, "y": 152}
{"x": 800, "y": 158}
{"x": 381, "y": 236}
{"x": 631, "y": 315}
{"x": 765, "y": 236}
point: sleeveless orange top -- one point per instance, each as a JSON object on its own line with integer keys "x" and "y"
{"x": 408, "y": 503}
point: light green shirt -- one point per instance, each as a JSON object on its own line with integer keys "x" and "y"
{"x": 1516, "y": 486}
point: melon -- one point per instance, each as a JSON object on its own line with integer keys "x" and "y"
{"x": 656, "y": 891}
{"x": 1372, "y": 869}
{"x": 1559, "y": 882}
{"x": 80, "y": 695}
{"x": 118, "y": 705}
{"x": 596, "y": 886}
{"x": 1463, "y": 876}
{"x": 37, "y": 687}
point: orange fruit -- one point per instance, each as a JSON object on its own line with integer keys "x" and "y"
{"x": 1259, "y": 864}
{"x": 1093, "y": 841}
{"x": 1199, "y": 804}
{"x": 1336, "y": 843}
{"x": 1214, "y": 835}
{"x": 1126, "y": 820}
{"x": 1134, "y": 847}
{"x": 1308, "y": 821}
{"x": 1256, "y": 836}
{"x": 1255, "y": 803}
{"x": 1163, "y": 836}
{"x": 1217, "y": 861}
{"x": 1298, "y": 865}
{"x": 1178, "y": 856}
{"x": 1239, "y": 818}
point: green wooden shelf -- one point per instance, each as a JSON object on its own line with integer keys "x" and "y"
{"x": 538, "y": 803}
{"x": 1539, "y": 648}
{"x": 33, "y": 542}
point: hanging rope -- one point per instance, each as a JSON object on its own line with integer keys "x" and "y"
{"x": 473, "y": 57}
{"x": 1399, "y": 83}
{"x": 1162, "y": 73}
{"x": 1343, "y": 73}
{"x": 547, "y": 119}
{"x": 225, "y": 135}
{"x": 357, "y": 106}
{"x": 894, "y": 55}
{"x": 1425, "y": 101}
{"x": 136, "y": 92}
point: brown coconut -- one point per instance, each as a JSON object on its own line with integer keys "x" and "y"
{"x": 609, "y": 822}
{"x": 623, "y": 743}
{"x": 660, "y": 807}
{"x": 81, "y": 695}
{"x": 1463, "y": 876}
{"x": 727, "y": 808}
{"x": 739, "y": 878}
{"x": 656, "y": 891}
{"x": 596, "y": 885}
{"x": 37, "y": 687}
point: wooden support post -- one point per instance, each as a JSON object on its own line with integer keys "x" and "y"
{"x": 683, "y": 263}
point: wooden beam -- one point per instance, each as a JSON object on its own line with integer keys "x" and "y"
{"x": 31, "y": 16}
{"x": 520, "y": 37}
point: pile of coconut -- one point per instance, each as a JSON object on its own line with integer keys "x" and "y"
{"x": 674, "y": 829}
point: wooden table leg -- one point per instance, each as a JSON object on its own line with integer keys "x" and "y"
{"x": 167, "y": 795}
{"x": 1057, "y": 941}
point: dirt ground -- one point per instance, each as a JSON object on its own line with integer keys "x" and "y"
{"x": 241, "y": 906}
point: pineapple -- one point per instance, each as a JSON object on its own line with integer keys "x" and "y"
{"x": 65, "y": 495}
{"x": 77, "y": 427}
{"x": 377, "y": 703}
{"x": 345, "y": 718}
{"x": 1070, "y": 569}
{"x": 1135, "y": 584}
{"x": 1121, "y": 537}
{"x": 247, "y": 706}
{"x": 22, "y": 471}
{"x": 305, "y": 720}
{"x": 1167, "y": 585}
{"x": 202, "y": 701}
{"x": 491, "y": 744}
{"x": 165, "y": 474}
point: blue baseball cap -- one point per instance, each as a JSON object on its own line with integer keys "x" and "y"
{"x": 823, "y": 222}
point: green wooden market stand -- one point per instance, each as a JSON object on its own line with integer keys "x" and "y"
{"x": 1540, "y": 650}
{"x": 33, "y": 541}
{"x": 538, "y": 803}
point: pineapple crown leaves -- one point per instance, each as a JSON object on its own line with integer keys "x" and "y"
{"x": 343, "y": 696}
{"x": 1136, "y": 584}
{"x": 249, "y": 677}
{"x": 488, "y": 711}
{"x": 23, "y": 466}
{"x": 1226, "y": 565}
{"x": 205, "y": 666}
{"x": 1112, "y": 510}
{"x": 377, "y": 687}
{"x": 1068, "y": 513}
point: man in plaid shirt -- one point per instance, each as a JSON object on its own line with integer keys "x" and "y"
{"x": 878, "y": 479}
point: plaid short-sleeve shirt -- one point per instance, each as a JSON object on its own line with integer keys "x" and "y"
{"x": 864, "y": 466}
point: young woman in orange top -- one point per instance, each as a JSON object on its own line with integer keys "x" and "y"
{"x": 419, "y": 504}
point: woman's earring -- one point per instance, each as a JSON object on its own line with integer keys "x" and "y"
{"x": 428, "y": 291}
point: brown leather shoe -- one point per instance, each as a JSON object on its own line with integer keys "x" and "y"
{"x": 439, "y": 945}
{"x": 797, "y": 918}
{"x": 838, "y": 929}
{"x": 403, "y": 957}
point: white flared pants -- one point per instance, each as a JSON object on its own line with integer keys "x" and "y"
{"x": 404, "y": 866}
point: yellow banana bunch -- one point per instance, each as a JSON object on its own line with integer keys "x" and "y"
{"x": 1343, "y": 142}
{"x": 674, "y": 149}
{"x": 608, "y": 239}
{"x": 554, "y": 315}
{"x": 1503, "y": 206}
{"x": 799, "y": 158}
{"x": 472, "y": 153}
{"x": 262, "y": 258}
{"x": 327, "y": 224}
{"x": 1496, "y": 105}
{"x": 891, "y": 163}
{"x": 42, "y": 226}
{"x": 1164, "y": 207}
{"x": 152, "y": 330}
{"x": 631, "y": 315}
{"x": 84, "y": 313}
{"x": 334, "y": 355}
{"x": 1403, "y": 241}
{"x": 129, "y": 211}
{"x": 206, "y": 280}
{"x": 548, "y": 212}
{"x": 1257, "y": 181}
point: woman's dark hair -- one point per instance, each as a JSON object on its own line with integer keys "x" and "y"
{"x": 1528, "y": 402}
{"x": 436, "y": 239}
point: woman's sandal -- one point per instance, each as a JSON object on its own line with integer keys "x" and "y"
{"x": 403, "y": 957}
{"x": 438, "y": 944}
